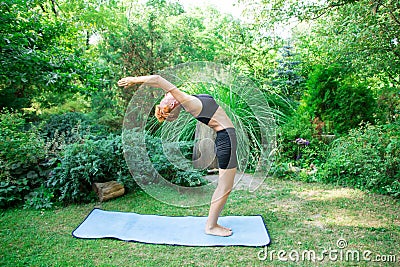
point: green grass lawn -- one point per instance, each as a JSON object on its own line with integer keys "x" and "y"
{"x": 300, "y": 218}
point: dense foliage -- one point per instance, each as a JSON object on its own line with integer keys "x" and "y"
{"x": 22, "y": 154}
{"x": 339, "y": 99}
{"x": 41, "y": 66}
{"x": 40, "y": 170}
{"x": 332, "y": 85}
{"x": 92, "y": 161}
{"x": 367, "y": 159}
{"x": 169, "y": 164}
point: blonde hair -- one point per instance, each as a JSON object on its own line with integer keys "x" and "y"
{"x": 166, "y": 106}
{"x": 162, "y": 113}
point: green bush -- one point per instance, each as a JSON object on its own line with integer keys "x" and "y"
{"x": 388, "y": 103}
{"x": 19, "y": 145}
{"x": 298, "y": 146}
{"x": 40, "y": 198}
{"x": 88, "y": 162}
{"x": 336, "y": 97}
{"x": 83, "y": 164}
{"x": 72, "y": 126}
{"x": 22, "y": 159}
{"x": 368, "y": 158}
{"x": 174, "y": 168}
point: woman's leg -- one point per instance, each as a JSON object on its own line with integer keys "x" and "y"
{"x": 219, "y": 198}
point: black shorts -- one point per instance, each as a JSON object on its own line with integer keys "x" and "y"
{"x": 225, "y": 145}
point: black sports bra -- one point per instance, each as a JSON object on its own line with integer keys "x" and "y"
{"x": 209, "y": 107}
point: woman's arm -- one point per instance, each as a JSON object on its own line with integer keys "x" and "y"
{"x": 188, "y": 101}
{"x": 151, "y": 80}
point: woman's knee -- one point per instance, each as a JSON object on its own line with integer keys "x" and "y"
{"x": 226, "y": 178}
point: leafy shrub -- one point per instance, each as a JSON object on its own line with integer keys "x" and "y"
{"x": 388, "y": 103}
{"x": 108, "y": 109}
{"x": 73, "y": 126}
{"x": 18, "y": 145}
{"x": 83, "y": 164}
{"x": 298, "y": 145}
{"x": 22, "y": 154}
{"x": 173, "y": 167}
{"x": 334, "y": 96}
{"x": 368, "y": 158}
{"x": 40, "y": 198}
{"x": 67, "y": 102}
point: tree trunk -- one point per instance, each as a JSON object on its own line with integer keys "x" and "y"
{"x": 108, "y": 190}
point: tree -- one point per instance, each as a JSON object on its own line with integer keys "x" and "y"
{"x": 44, "y": 52}
{"x": 287, "y": 79}
{"x": 159, "y": 34}
{"x": 27, "y": 48}
{"x": 361, "y": 32}
{"x": 358, "y": 34}
{"x": 337, "y": 97}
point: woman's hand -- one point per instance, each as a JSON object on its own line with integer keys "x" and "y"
{"x": 127, "y": 82}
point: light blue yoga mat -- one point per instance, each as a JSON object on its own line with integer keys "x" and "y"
{"x": 183, "y": 231}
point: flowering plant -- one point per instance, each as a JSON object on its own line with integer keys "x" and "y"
{"x": 301, "y": 141}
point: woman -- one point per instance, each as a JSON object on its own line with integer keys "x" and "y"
{"x": 206, "y": 110}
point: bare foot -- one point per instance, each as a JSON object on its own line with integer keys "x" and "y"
{"x": 218, "y": 230}
{"x": 229, "y": 229}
